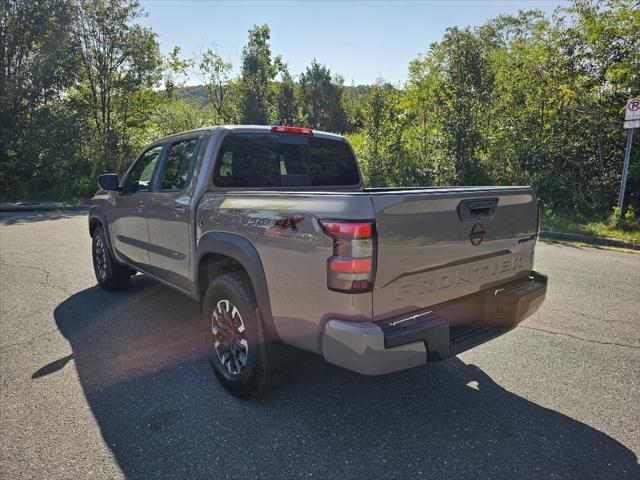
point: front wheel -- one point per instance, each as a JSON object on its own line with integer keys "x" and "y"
{"x": 109, "y": 273}
{"x": 233, "y": 334}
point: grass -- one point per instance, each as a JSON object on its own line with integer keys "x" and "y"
{"x": 559, "y": 222}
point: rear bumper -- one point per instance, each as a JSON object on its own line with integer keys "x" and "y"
{"x": 435, "y": 333}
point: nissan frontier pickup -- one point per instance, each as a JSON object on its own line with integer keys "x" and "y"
{"x": 272, "y": 230}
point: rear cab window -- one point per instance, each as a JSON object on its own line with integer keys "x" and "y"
{"x": 284, "y": 160}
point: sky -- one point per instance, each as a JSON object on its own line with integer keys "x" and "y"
{"x": 361, "y": 40}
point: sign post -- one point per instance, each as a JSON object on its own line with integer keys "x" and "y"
{"x": 631, "y": 122}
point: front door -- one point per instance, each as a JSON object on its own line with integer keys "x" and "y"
{"x": 169, "y": 215}
{"x": 129, "y": 229}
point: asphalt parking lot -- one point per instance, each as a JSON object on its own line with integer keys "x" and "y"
{"x": 110, "y": 385}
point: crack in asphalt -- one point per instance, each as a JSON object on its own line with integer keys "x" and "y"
{"x": 588, "y": 340}
{"x": 45, "y": 282}
{"x": 26, "y": 342}
{"x": 51, "y": 285}
{"x": 17, "y": 265}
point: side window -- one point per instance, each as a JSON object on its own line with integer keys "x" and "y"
{"x": 179, "y": 165}
{"x": 142, "y": 172}
{"x": 248, "y": 161}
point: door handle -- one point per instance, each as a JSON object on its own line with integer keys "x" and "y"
{"x": 179, "y": 210}
{"x": 141, "y": 205}
{"x": 477, "y": 210}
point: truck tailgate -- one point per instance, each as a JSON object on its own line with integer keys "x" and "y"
{"x": 436, "y": 245}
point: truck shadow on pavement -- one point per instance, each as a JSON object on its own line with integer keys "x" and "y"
{"x": 139, "y": 358}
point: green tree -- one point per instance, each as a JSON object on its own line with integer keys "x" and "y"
{"x": 353, "y": 105}
{"x": 175, "y": 115}
{"x": 559, "y": 85}
{"x": 381, "y": 151}
{"x": 528, "y": 98}
{"x": 36, "y": 67}
{"x": 216, "y": 75}
{"x": 321, "y": 99}
{"x": 463, "y": 99}
{"x": 286, "y": 106}
{"x": 449, "y": 96}
{"x": 119, "y": 60}
{"x": 603, "y": 48}
{"x": 175, "y": 71}
{"x": 258, "y": 72}
{"x": 423, "y": 135}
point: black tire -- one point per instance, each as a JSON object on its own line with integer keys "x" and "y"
{"x": 233, "y": 336}
{"x": 110, "y": 274}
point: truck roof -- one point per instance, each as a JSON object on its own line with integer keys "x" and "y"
{"x": 246, "y": 129}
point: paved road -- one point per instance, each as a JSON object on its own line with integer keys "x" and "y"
{"x": 110, "y": 385}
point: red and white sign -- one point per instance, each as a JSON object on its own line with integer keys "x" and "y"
{"x": 632, "y": 113}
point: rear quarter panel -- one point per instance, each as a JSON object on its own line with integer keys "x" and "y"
{"x": 294, "y": 260}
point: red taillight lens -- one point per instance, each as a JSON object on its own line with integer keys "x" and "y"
{"x": 351, "y": 269}
{"x": 350, "y": 265}
{"x": 349, "y": 230}
{"x": 293, "y": 130}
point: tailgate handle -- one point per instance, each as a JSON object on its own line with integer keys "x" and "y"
{"x": 476, "y": 210}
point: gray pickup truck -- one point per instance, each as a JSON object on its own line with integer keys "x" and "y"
{"x": 273, "y": 232}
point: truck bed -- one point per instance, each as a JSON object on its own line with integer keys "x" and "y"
{"x": 424, "y": 253}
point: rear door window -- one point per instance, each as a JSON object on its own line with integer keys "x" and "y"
{"x": 179, "y": 165}
{"x": 282, "y": 160}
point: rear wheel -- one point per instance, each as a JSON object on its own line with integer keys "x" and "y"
{"x": 109, "y": 273}
{"x": 233, "y": 334}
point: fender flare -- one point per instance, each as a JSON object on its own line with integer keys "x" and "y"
{"x": 241, "y": 250}
{"x": 96, "y": 212}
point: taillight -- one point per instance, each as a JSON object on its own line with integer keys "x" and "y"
{"x": 352, "y": 267}
{"x": 293, "y": 130}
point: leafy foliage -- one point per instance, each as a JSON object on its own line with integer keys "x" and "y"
{"x": 36, "y": 67}
{"x": 258, "y": 72}
{"x": 524, "y": 99}
{"x": 320, "y": 99}
{"x": 286, "y": 105}
{"x": 119, "y": 62}
{"x": 176, "y": 70}
{"x": 216, "y": 75}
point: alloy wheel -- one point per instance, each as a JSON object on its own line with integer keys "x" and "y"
{"x": 229, "y": 337}
{"x": 101, "y": 258}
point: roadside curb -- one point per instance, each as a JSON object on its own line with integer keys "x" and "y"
{"x": 589, "y": 239}
{"x": 40, "y": 207}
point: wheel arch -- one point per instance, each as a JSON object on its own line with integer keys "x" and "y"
{"x": 236, "y": 253}
{"x": 97, "y": 218}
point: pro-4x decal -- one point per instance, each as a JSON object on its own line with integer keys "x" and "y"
{"x": 288, "y": 223}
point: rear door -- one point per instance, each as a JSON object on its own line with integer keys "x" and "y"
{"x": 169, "y": 216}
{"x": 436, "y": 245}
{"x": 129, "y": 223}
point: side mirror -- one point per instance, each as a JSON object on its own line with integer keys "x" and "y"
{"x": 109, "y": 181}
